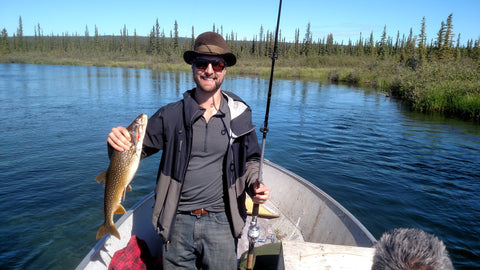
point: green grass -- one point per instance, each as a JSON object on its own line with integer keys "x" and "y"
{"x": 451, "y": 88}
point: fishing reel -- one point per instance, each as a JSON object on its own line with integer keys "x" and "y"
{"x": 253, "y": 231}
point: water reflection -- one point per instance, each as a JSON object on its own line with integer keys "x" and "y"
{"x": 126, "y": 79}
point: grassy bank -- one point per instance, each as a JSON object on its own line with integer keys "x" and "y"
{"x": 451, "y": 88}
{"x": 448, "y": 87}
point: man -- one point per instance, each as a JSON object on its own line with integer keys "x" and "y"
{"x": 410, "y": 249}
{"x": 210, "y": 159}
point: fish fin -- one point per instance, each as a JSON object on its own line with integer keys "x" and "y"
{"x": 101, "y": 178}
{"x": 129, "y": 188}
{"x": 108, "y": 228}
{"x": 120, "y": 210}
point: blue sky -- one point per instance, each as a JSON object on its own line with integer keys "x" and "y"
{"x": 345, "y": 19}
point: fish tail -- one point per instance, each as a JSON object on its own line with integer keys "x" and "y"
{"x": 107, "y": 228}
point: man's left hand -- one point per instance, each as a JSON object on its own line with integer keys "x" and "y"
{"x": 262, "y": 193}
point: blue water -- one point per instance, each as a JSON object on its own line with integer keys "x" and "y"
{"x": 388, "y": 166}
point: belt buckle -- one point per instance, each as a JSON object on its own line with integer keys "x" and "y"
{"x": 199, "y": 212}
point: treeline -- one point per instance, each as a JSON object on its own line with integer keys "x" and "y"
{"x": 411, "y": 49}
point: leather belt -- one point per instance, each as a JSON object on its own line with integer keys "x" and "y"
{"x": 199, "y": 212}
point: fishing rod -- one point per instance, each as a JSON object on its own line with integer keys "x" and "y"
{"x": 254, "y": 230}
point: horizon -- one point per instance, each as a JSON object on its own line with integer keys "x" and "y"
{"x": 345, "y": 19}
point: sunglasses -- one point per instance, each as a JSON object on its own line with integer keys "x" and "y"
{"x": 217, "y": 65}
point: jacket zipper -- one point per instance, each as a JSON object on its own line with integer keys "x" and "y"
{"x": 179, "y": 155}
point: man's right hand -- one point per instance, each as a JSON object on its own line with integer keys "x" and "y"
{"x": 119, "y": 138}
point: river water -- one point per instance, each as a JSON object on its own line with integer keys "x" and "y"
{"x": 389, "y": 167}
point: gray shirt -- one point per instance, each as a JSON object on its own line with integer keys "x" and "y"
{"x": 203, "y": 186}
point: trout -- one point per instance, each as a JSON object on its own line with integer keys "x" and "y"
{"x": 122, "y": 168}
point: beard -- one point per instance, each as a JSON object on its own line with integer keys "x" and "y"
{"x": 208, "y": 83}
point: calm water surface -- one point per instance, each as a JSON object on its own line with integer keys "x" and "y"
{"x": 389, "y": 167}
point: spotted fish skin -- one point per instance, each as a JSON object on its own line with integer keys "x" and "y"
{"x": 117, "y": 178}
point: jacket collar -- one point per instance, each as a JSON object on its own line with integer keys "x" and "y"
{"x": 191, "y": 108}
{"x": 240, "y": 112}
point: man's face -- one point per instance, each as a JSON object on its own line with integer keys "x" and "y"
{"x": 208, "y": 72}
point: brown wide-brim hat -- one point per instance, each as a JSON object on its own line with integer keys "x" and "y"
{"x": 210, "y": 43}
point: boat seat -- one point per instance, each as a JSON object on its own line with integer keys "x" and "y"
{"x": 262, "y": 211}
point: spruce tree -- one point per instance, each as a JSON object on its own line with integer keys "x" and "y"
{"x": 175, "y": 36}
{"x": 360, "y": 49}
{"x": 382, "y": 44}
{"x": 329, "y": 46}
{"x": 260, "y": 41}
{"x": 19, "y": 43}
{"x": 307, "y": 41}
{"x": 421, "y": 42}
{"x": 439, "y": 47}
{"x": 4, "y": 44}
{"x": 297, "y": 42}
{"x": 371, "y": 45}
{"x": 447, "y": 46}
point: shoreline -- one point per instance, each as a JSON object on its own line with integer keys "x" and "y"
{"x": 450, "y": 88}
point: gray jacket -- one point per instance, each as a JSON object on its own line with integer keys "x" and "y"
{"x": 170, "y": 130}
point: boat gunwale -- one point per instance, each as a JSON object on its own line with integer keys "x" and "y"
{"x": 328, "y": 199}
{"x": 100, "y": 243}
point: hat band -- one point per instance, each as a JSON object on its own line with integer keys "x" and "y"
{"x": 209, "y": 49}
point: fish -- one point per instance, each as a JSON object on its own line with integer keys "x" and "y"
{"x": 117, "y": 178}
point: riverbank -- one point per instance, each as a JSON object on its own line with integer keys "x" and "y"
{"x": 448, "y": 87}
